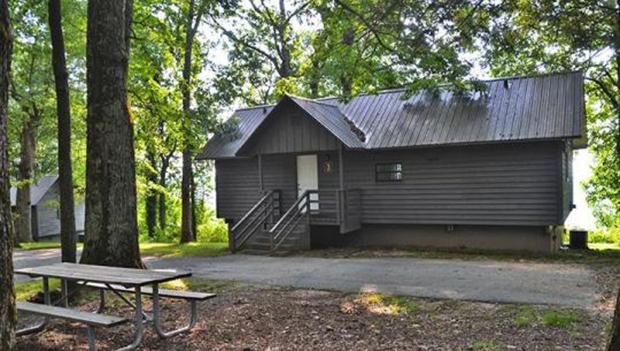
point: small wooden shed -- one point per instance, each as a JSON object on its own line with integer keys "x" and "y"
{"x": 45, "y": 211}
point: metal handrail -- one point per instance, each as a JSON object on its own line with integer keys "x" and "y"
{"x": 282, "y": 228}
{"x": 249, "y": 213}
{"x": 248, "y": 225}
{"x": 291, "y": 209}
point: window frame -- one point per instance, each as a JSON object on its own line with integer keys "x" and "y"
{"x": 399, "y": 165}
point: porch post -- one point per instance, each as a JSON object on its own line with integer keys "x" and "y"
{"x": 341, "y": 203}
{"x": 340, "y": 167}
{"x": 260, "y": 172}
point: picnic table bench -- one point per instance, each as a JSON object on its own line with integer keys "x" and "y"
{"x": 90, "y": 319}
{"x": 117, "y": 280}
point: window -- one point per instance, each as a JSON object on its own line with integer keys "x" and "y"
{"x": 389, "y": 172}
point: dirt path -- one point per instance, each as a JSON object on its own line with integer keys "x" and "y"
{"x": 492, "y": 281}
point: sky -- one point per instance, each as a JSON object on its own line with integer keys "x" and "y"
{"x": 581, "y": 217}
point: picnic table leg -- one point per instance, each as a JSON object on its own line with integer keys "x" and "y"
{"x": 137, "y": 323}
{"x": 92, "y": 346}
{"x": 38, "y": 327}
{"x": 101, "y": 301}
{"x": 162, "y": 334}
{"x": 64, "y": 292}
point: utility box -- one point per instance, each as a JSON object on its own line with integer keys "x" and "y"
{"x": 579, "y": 239}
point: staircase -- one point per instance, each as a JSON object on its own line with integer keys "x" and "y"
{"x": 262, "y": 230}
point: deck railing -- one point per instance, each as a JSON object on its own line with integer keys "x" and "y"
{"x": 259, "y": 217}
{"x": 297, "y": 215}
{"x": 336, "y": 207}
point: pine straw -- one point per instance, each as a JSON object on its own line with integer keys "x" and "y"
{"x": 264, "y": 318}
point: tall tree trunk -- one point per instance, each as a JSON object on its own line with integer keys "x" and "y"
{"x": 617, "y": 49}
{"x": 23, "y": 222}
{"x": 111, "y": 236}
{"x": 187, "y": 219}
{"x": 151, "y": 198}
{"x": 194, "y": 209}
{"x": 63, "y": 108}
{"x": 186, "y": 197}
{"x": 614, "y": 341}
{"x": 163, "y": 172}
{"x": 8, "y": 315}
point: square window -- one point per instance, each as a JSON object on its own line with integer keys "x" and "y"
{"x": 389, "y": 172}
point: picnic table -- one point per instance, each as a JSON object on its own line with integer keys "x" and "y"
{"x": 117, "y": 280}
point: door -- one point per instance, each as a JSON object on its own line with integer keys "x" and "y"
{"x": 308, "y": 177}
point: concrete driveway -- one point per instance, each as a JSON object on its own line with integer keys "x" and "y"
{"x": 493, "y": 281}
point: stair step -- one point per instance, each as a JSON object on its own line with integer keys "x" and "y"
{"x": 255, "y": 252}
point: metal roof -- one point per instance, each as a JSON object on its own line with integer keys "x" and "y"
{"x": 37, "y": 191}
{"x": 512, "y": 109}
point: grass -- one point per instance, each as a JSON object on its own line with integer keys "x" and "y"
{"x": 560, "y": 319}
{"x": 389, "y": 304}
{"x": 151, "y": 249}
{"x": 28, "y": 289}
{"x": 42, "y": 245}
{"x": 603, "y": 246}
{"x": 183, "y": 250}
{"x": 484, "y": 345}
{"x": 527, "y": 316}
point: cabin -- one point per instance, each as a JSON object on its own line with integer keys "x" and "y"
{"x": 45, "y": 209}
{"x": 486, "y": 170}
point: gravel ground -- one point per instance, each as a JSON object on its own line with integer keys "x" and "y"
{"x": 267, "y": 318}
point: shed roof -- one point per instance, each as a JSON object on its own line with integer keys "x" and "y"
{"x": 37, "y": 191}
{"x": 512, "y": 109}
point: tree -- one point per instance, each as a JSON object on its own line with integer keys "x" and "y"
{"x": 31, "y": 104}
{"x": 27, "y": 157}
{"x": 537, "y": 36}
{"x": 111, "y": 232}
{"x": 267, "y": 49}
{"x": 187, "y": 207}
{"x": 8, "y": 314}
{"x": 63, "y": 107}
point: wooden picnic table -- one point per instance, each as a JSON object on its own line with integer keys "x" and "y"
{"x": 111, "y": 277}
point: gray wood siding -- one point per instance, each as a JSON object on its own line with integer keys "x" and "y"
{"x": 328, "y": 180}
{"x": 48, "y": 220}
{"x": 503, "y": 184}
{"x": 280, "y": 173}
{"x": 290, "y": 131}
{"x": 237, "y": 187}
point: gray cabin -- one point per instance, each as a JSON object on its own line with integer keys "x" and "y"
{"x": 486, "y": 170}
{"x": 45, "y": 211}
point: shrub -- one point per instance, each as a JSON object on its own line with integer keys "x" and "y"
{"x": 213, "y": 230}
{"x": 600, "y": 236}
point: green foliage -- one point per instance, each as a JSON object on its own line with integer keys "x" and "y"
{"x": 609, "y": 235}
{"x": 600, "y": 236}
{"x": 537, "y": 36}
{"x": 211, "y": 229}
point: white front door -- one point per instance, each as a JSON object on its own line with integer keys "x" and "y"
{"x": 308, "y": 177}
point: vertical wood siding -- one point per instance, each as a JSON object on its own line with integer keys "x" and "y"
{"x": 48, "y": 221}
{"x": 509, "y": 184}
{"x": 291, "y": 131}
{"x": 280, "y": 173}
{"x": 237, "y": 186}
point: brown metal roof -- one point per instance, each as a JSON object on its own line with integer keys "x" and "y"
{"x": 512, "y": 109}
